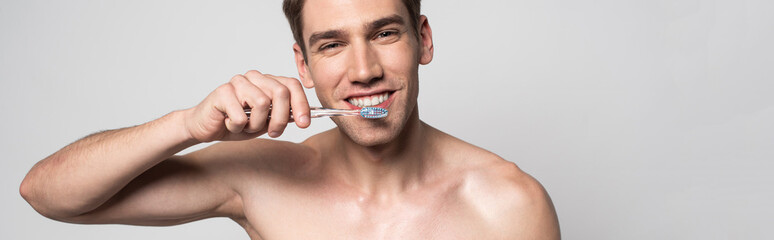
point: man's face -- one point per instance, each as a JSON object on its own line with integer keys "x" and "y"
{"x": 363, "y": 53}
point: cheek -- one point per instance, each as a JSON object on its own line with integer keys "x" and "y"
{"x": 326, "y": 75}
{"x": 321, "y": 73}
{"x": 401, "y": 60}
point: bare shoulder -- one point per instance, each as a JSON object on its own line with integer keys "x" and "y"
{"x": 514, "y": 203}
{"x": 509, "y": 200}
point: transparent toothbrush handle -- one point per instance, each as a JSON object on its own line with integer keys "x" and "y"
{"x": 317, "y": 112}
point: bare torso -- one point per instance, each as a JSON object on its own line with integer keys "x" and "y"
{"x": 281, "y": 190}
{"x": 326, "y": 210}
{"x": 297, "y": 193}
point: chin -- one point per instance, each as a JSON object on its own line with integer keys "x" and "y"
{"x": 372, "y": 132}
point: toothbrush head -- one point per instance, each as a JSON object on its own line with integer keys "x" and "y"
{"x": 373, "y": 112}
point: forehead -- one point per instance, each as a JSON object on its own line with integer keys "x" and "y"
{"x": 323, "y": 15}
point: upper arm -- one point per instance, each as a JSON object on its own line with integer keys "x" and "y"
{"x": 178, "y": 190}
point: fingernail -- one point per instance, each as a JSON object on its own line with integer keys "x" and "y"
{"x": 304, "y": 119}
{"x": 274, "y": 134}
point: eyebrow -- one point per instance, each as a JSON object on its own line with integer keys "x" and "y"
{"x": 325, "y": 35}
{"x": 394, "y": 19}
{"x": 372, "y": 26}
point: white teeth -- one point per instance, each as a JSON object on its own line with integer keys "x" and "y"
{"x": 369, "y": 101}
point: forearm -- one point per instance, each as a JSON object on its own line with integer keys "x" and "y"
{"x": 85, "y": 174}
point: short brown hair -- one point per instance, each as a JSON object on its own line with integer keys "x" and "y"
{"x": 292, "y": 9}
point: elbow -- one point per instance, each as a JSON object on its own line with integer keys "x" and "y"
{"x": 27, "y": 192}
{"x": 24, "y": 189}
{"x": 56, "y": 210}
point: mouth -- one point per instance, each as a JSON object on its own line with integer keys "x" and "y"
{"x": 375, "y": 100}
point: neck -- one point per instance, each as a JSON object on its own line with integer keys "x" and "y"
{"x": 386, "y": 169}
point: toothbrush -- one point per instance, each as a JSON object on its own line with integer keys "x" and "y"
{"x": 316, "y": 112}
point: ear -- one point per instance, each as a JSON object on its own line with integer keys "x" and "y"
{"x": 303, "y": 69}
{"x": 425, "y": 41}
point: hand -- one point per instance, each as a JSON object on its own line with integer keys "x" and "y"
{"x": 221, "y": 115}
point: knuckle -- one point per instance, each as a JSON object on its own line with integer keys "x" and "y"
{"x": 225, "y": 88}
{"x": 237, "y": 78}
{"x": 281, "y": 92}
{"x": 253, "y": 74}
{"x": 261, "y": 103}
{"x": 291, "y": 82}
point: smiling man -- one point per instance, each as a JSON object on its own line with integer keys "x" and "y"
{"x": 389, "y": 178}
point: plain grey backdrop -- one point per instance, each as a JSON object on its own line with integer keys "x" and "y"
{"x": 644, "y": 119}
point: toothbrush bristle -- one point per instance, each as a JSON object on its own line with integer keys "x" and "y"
{"x": 373, "y": 112}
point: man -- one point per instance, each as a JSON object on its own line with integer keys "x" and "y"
{"x": 395, "y": 177}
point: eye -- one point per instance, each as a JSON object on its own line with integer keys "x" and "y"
{"x": 329, "y": 46}
{"x": 386, "y": 34}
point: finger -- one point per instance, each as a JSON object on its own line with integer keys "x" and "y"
{"x": 280, "y": 102}
{"x": 243, "y": 136}
{"x": 254, "y": 99}
{"x": 228, "y": 103}
{"x": 298, "y": 101}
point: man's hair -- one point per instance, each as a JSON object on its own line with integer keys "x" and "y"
{"x": 292, "y": 9}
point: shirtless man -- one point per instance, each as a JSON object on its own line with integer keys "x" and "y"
{"x": 390, "y": 178}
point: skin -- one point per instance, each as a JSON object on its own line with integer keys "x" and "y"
{"x": 392, "y": 178}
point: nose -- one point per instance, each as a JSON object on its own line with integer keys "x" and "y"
{"x": 365, "y": 66}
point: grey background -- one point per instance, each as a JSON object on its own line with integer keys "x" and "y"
{"x": 644, "y": 119}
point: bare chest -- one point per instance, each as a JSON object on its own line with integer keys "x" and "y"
{"x": 302, "y": 215}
